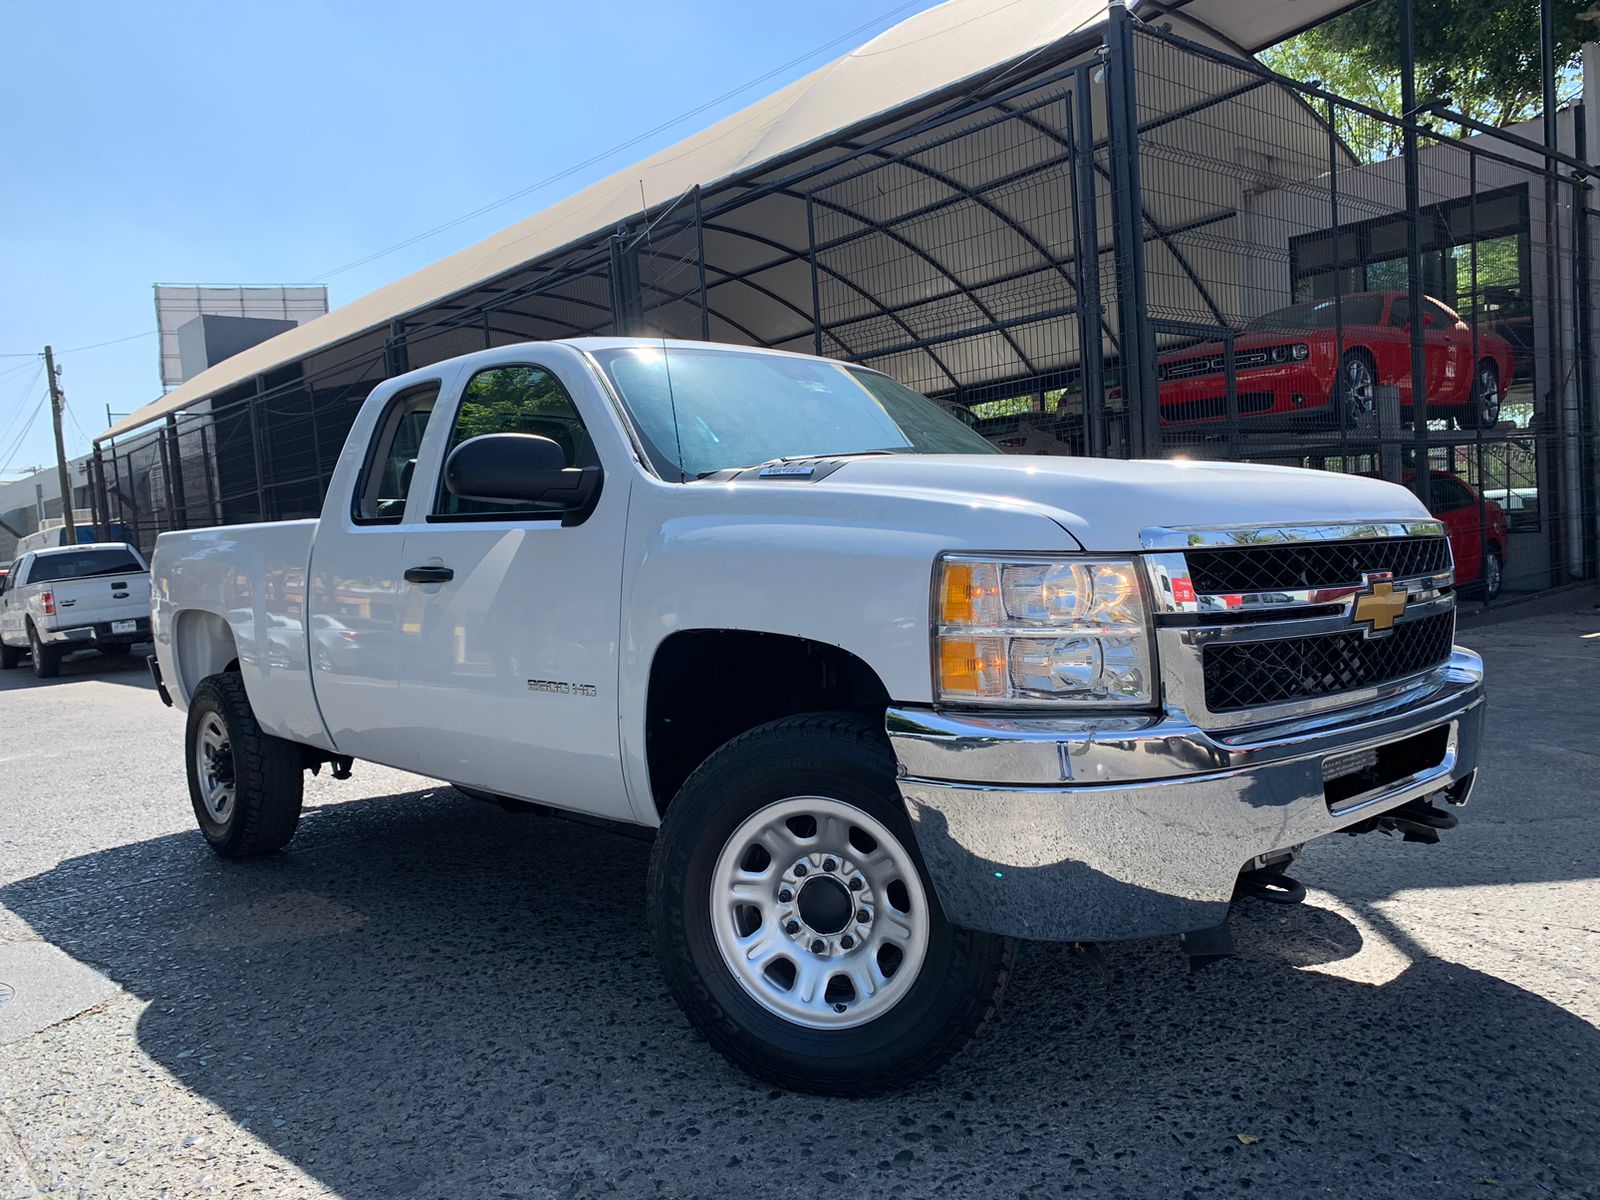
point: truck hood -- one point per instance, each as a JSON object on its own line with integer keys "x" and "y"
{"x": 1106, "y": 503}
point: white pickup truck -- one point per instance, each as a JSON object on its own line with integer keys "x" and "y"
{"x": 55, "y": 601}
{"x": 888, "y": 699}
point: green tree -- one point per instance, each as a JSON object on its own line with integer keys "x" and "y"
{"x": 1480, "y": 57}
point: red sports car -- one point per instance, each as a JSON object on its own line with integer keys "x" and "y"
{"x": 1477, "y": 535}
{"x": 1290, "y": 362}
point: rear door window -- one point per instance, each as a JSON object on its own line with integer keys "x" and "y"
{"x": 386, "y": 480}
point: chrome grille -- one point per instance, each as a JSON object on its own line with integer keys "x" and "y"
{"x": 1271, "y": 568}
{"x": 1245, "y": 675}
{"x": 1253, "y": 622}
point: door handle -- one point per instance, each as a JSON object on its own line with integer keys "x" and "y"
{"x": 429, "y": 574}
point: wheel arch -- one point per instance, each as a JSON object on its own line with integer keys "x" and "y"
{"x": 202, "y": 644}
{"x": 707, "y": 686}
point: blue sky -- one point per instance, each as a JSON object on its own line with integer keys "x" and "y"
{"x": 266, "y": 143}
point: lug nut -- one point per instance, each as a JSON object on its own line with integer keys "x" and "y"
{"x": 792, "y": 927}
{"x": 830, "y": 864}
{"x": 847, "y": 942}
{"x": 863, "y": 915}
{"x": 857, "y": 884}
{"x": 799, "y": 868}
{"x": 838, "y": 1006}
{"x": 818, "y": 946}
{"x": 785, "y": 895}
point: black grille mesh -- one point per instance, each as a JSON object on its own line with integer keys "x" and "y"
{"x": 1249, "y": 674}
{"x": 1274, "y": 568}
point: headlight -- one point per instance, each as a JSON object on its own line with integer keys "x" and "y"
{"x": 1299, "y": 351}
{"x": 1038, "y": 631}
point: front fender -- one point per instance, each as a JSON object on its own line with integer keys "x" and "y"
{"x": 847, "y": 571}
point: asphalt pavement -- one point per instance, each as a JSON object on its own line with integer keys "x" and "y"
{"x": 426, "y": 996}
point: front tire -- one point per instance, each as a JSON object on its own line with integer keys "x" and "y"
{"x": 46, "y": 659}
{"x": 1493, "y": 572}
{"x": 1482, "y": 411}
{"x": 796, "y": 925}
{"x": 1355, "y": 392}
{"x": 245, "y": 785}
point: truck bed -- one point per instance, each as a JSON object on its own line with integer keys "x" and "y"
{"x": 237, "y": 594}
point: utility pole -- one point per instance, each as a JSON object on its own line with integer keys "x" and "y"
{"x": 69, "y": 531}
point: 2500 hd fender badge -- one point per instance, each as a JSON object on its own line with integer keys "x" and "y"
{"x": 562, "y": 688}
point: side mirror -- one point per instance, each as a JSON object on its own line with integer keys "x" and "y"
{"x": 521, "y": 468}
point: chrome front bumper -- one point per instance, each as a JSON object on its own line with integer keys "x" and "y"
{"x": 1127, "y": 827}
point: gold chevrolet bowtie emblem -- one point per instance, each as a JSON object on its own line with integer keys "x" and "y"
{"x": 1379, "y": 606}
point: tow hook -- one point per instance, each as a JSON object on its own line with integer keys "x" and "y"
{"x": 1420, "y": 821}
{"x": 1272, "y": 886}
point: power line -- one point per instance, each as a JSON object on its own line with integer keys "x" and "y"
{"x": 92, "y": 346}
{"x": 618, "y": 148}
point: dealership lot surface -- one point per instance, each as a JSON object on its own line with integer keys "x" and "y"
{"x": 427, "y": 996}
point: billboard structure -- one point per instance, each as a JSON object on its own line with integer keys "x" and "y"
{"x": 200, "y": 326}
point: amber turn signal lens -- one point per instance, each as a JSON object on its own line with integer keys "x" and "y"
{"x": 974, "y": 667}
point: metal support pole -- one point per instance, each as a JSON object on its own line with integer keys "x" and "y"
{"x": 700, "y": 266}
{"x": 627, "y": 306}
{"x": 396, "y": 359}
{"x": 1583, "y": 249}
{"x": 102, "y": 502}
{"x": 213, "y": 510}
{"x": 816, "y": 287}
{"x": 180, "y": 498}
{"x": 1138, "y": 338}
{"x": 258, "y": 451}
{"x": 1092, "y": 363}
{"x": 1344, "y": 414}
{"x": 1419, "y": 374}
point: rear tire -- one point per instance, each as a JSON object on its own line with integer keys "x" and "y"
{"x": 46, "y": 659}
{"x": 245, "y": 785}
{"x": 802, "y": 1020}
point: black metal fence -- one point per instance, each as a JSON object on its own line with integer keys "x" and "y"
{"x": 1133, "y": 245}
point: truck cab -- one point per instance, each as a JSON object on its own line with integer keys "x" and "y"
{"x": 886, "y": 700}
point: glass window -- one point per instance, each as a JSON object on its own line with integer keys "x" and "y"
{"x": 1400, "y": 312}
{"x": 1363, "y": 308}
{"x": 84, "y": 564}
{"x": 381, "y": 496}
{"x": 515, "y": 400}
{"x": 702, "y": 411}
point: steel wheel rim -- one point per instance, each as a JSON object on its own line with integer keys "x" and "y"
{"x": 213, "y": 761}
{"x": 1488, "y": 395}
{"x": 762, "y": 915}
{"x": 1358, "y": 390}
{"x": 1491, "y": 575}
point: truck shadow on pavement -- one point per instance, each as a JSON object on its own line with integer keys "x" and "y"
{"x": 427, "y": 996}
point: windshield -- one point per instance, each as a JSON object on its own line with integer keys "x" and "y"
{"x": 701, "y": 410}
{"x": 1322, "y": 314}
{"x": 81, "y": 564}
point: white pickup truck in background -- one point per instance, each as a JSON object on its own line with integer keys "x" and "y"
{"x": 886, "y": 699}
{"x": 54, "y": 601}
